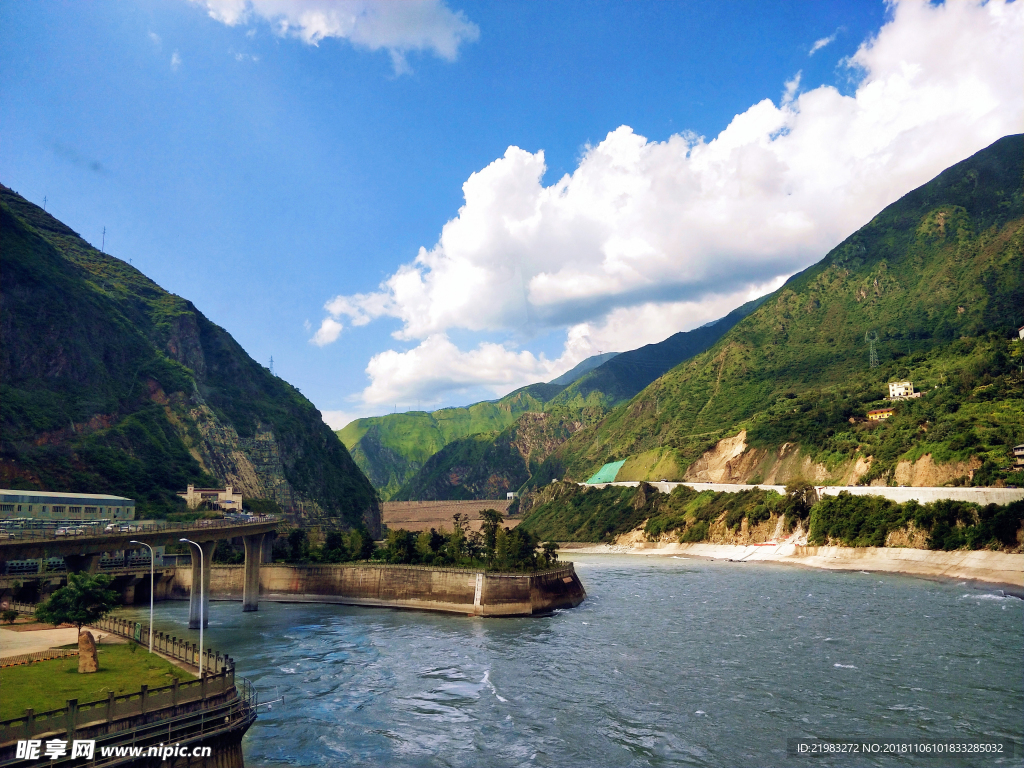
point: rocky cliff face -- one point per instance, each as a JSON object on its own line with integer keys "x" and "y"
{"x": 112, "y": 385}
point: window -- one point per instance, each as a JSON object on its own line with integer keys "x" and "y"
{"x": 6, "y": 507}
{"x": 91, "y": 510}
{"x": 19, "y": 507}
{"x": 75, "y": 510}
{"x": 57, "y": 511}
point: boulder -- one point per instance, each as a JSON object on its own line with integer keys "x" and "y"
{"x": 87, "y": 659}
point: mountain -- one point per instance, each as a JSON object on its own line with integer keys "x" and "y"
{"x": 589, "y": 364}
{"x": 489, "y": 465}
{"x": 391, "y": 449}
{"x": 110, "y": 384}
{"x": 934, "y": 283}
{"x": 622, "y": 377}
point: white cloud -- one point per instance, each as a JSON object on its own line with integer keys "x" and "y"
{"x": 396, "y": 27}
{"x": 327, "y": 333}
{"x": 155, "y": 39}
{"x": 175, "y": 61}
{"x": 822, "y": 42}
{"x": 338, "y": 419}
{"x": 645, "y": 234}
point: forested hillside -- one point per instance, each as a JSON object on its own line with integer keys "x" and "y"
{"x": 109, "y": 384}
{"x": 937, "y": 278}
{"x": 407, "y": 455}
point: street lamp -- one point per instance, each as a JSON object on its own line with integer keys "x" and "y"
{"x": 201, "y": 616}
{"x": 152, "y": 567}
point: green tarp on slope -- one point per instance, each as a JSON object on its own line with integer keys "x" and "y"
{"x": 607, "y": 473}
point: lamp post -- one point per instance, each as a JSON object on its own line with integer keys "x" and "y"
{"x": 152, "y": 570}
{"x": 201, "y": 595}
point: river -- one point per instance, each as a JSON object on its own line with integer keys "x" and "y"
{"x": 668, "y": 662}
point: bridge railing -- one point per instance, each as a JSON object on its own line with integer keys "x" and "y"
{"x": 74, "y": 715}
{"x": 168, "y": 645}
{"x": 35, "y": 534}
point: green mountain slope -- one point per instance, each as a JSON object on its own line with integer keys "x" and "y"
{"x": 489, "y": 465}
{"x": 582, "y": 368}
{"x": 109, "y": 384}
{"x": 938, "y": 276}
{"x": 628, "y": 373}
{"x": 391, "y": 449}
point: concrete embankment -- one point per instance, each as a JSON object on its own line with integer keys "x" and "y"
{"x": 1001, "y": 569}
{"x": 922, "y": 495}
{"x": 451, "y": 590}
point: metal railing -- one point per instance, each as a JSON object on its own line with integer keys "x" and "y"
{"x": 35, "y": 534}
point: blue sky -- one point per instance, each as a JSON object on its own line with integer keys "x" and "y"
{"x": 267, "y": 159}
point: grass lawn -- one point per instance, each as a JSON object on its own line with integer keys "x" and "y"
{"x": 48, "y": 685}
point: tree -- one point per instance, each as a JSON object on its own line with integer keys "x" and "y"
{"x": 86, "y": 598}
{"x": 492, "y": 521}
{"x": 550, "y": 551}
{"x": 10, "y": 616}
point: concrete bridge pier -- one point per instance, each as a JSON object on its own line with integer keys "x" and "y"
{"x": 206, "y": 548}
{"x": 83, "y": 563}
{"x": 251, "y": 580}
{"x": 128, "y": 589}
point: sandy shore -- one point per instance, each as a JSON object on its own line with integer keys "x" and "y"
{"x": 997, "y": 569}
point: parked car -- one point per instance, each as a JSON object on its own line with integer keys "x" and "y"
{"x": 69, "y": 532}
{"x": 7, "y": 534}
{"x": 116, "y": 528}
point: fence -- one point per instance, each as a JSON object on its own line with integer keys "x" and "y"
{"x": 168, "y": 645}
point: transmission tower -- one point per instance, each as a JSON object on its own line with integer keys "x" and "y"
{"x": 272, "y": 366}
{"x": 871, "y": 337}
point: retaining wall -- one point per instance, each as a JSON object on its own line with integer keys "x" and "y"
{"x": 452, "y": 590}
{"x": 901, "y": 494}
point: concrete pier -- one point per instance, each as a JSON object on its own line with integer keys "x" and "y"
{"x": 251, "y": 578}
{"x": 203, "y": 594}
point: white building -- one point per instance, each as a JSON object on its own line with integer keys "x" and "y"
{"x": 224, "y": 498}
{"x": 901, "y": 389}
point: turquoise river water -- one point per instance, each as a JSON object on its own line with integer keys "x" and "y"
{"x": 669, "y": 662}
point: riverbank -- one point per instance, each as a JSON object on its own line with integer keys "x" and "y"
{"x": 995, "y": 569}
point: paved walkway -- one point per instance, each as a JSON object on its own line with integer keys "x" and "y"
{"x": 16, "y": 643}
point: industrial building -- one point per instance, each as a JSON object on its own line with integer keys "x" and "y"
{"x": 55, "y": 506}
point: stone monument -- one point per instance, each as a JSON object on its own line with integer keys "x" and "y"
{"x": 87, "y": 659}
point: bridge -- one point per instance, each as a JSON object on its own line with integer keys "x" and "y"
{"x": 82, "y": 553}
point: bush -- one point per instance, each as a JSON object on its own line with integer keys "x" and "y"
{"x": 696, "y": 532}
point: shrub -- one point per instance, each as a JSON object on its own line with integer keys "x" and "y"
{"x": 696, "y": 532}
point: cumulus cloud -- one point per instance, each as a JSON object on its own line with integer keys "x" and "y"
{"x": 327, "y": 333}
{"x": 175, "y": 61}
{"x": 675, "y": 225}
{"x": 396, "y": 27}
{"x": 822, "y": 42}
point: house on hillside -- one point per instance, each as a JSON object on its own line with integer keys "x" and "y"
{"x": 902, "y": 389}
{"x": 223, "y": 498}
{"x": 1018, "y": 455}
{"x": 878, "y": 414}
